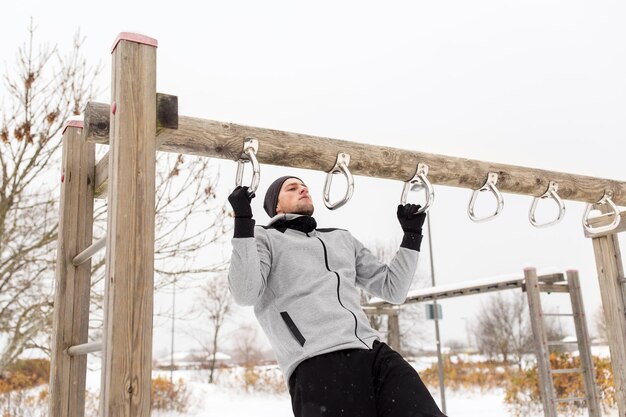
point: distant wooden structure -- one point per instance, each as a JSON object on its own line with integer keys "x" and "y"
{"x": 136, "y": 124}
{"x": 533, "y": 285}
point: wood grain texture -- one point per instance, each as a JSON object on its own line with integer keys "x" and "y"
{"x": 584, "y": 344}
{"x": 604, "y": 220}
{"x": 540, "y": 341}
{"x": 610, "y": 270}
{"x": 72, "y": 284}
{"x": 225, "y": 140}
{"x": 130, "y": 234}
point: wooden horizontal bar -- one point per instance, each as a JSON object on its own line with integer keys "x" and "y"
{"x": 225, "y": 140}
{"x": 562, "y": 342}
{"x": 603, "y": 220}
{"x": 465, "y": 288}
{"x": 553, "y": 288}
{"x": 85, "y": 348}
{"x": 85, "y": 255}
{"x": 566, "y": 371}
{"x": 97, "y": 117}
{"x": 570, "y": 399}
{"x": 371, "y": 311}
{"x": 558, "y": 314}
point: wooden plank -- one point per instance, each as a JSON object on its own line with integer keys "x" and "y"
{"x": 393, "y": 324}
{"x": 603, "y": 220}
{"x": 541, "y": 343}
{"x": 98, "y": 117}
{"x": 72, "y": 284}
{"x": 553, "y": 288}
{"x": 225, "y": 140}
{"x": 610, "y": 269}
{"x": 130, "y": 235}
{"x": 584, "y": 344}
{"x": 441, "y": 292}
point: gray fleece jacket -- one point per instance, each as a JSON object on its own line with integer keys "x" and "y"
{"x": 303, "y": 287}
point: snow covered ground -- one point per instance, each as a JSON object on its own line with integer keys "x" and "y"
{"x": 226, "y": 400}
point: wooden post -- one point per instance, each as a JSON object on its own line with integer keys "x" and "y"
{"x": 393, "y": 325}
{"x": 71, "y": 300}
{"x": 584, "y": 350}
{"x": 541, "y": 344}
{"x": 610, "y": 272}
{"x": 130, "y": 235}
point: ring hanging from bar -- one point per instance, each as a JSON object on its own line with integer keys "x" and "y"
{"x": 490, "y": 185}
{"x": 250, "y": 149}
{"x": 419, "y": 180}
{"x": 552, "y": 192}
{"x": 341, "y": 166}
{"x": 606, "y": 199}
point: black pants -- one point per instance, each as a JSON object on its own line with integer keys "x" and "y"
{"x": 360, "y": 383}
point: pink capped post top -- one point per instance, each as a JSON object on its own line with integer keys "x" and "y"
{"x": 72, "y": 123}
{"x": 134, "y": 37}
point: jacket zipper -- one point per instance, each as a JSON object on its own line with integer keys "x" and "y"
{"x": 338, "y": 297}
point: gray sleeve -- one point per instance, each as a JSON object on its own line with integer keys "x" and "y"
{"x": 249, "y": 267}
{"x": 389, "y": 282}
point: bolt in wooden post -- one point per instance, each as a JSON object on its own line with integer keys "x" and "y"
{"x": 130, "y": 235}
{"x": 71, "y": 300}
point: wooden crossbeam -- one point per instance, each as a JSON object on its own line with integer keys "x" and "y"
{"x": 468, "y": 288}
{"x": 223, "y": 140}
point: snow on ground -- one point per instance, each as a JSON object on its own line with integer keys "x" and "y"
{"x": 224, "y": 401}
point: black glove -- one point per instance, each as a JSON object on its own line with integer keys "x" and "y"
{"x": 240, "y": 201}
{"x": 411, "y": 223}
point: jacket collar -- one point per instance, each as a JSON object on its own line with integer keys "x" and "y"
{"x": 300, "y": 222}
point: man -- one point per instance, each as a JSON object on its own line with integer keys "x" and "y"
{"x": 302, "y": 282}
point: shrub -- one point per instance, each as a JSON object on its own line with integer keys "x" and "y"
{"x": 169, "y": 396}
{"x": 523, "y": 389}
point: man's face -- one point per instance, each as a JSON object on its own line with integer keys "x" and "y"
{"x": 294, "y": 198}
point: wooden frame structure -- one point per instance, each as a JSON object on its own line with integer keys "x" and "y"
{"x": 533, "y": 285}
{"x": 136, "y": 124}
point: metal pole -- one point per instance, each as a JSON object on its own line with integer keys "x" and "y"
{"x": 440, "y": 363}
{"x": 173, "y": 322}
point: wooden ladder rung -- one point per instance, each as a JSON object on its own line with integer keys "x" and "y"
{"x": 84, "y": 348}
{"x": 559, "y": 314}
{"x": 622, "y": 280}
{"x": 566, "y": 371}
{"x": 85, "y": 255}
{"x": 559, "y": 342}
{"x": 570, "y": 399}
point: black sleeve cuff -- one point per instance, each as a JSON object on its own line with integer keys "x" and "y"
{"x": 411, "y": 241}
{"x": 244, "y": 227}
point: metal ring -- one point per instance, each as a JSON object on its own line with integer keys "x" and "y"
{"x": 552, "y": 192}
{"x": 490, "y": 185}
{"x": 419, "y": 180}
{"x": 341, "y": 165}
{"x": 606, "y": 199}
{"x": 250, "y": 149}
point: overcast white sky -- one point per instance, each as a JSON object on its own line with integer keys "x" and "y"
{"x": 533, "y": 83}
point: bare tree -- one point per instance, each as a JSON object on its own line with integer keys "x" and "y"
{"x": 215, "y": 303}
{"x": 247, "y": 346}
{"x": 44, "y": 89}
{"x": 502, "y": 328}
{"x": 599, "y": 323}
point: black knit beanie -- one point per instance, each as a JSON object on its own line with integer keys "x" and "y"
{"x": 271, "y": 196}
